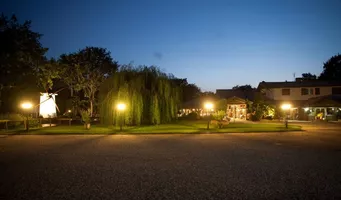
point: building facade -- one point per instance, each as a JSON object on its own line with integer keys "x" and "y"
{"x": 302, "y": 95}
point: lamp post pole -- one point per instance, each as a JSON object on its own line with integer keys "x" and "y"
{"x": 286, "y": 108}
{"x": 208, "y": 106}
{"x": 121, "y": 108}
{"x": 26, "y": 106}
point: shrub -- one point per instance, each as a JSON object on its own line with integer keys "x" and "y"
{"x": 219, "y": 118}
{"x": 191, "y": 116}
{"x": 85, "y": 116}
{"x": 15, "y": 119}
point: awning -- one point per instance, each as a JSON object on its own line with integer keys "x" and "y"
{"x": 325, "y": 101}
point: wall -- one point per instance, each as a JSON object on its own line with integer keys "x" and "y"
{"x": 295, "y": 93}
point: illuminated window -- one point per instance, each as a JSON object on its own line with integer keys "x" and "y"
{"x": 285, "y": 92}
{"x": 317, "y": 91}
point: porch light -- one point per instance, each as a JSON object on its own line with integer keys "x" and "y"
{"x": 286, "y": 106}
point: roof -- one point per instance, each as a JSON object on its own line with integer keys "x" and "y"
{"x": 303, "y": 83}
{"x": 325, "y": 101}
{"x": 243, "y": 94}
{"x": 235, "y": 100}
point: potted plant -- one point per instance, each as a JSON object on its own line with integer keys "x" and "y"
{"x": 86, "y": 118}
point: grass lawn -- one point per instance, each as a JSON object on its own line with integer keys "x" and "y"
{"x": 179, "y": 127}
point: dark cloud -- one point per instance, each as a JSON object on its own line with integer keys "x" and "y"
{"x": 158, "y": 55}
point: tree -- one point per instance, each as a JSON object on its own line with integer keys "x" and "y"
{"x": 309, "y": 76}
{"x": 219, "y": 116}
{"x": 86, "y": 69}
{"x": 221, "y": 105}
{"x": 188, "y": 91}
{"x": 46, "y": 73}
{"x": 242, "y": 87}
{"x": 20, "y": 52}
{"x": 332, "y": 69}
{"x": 151, "y": 97}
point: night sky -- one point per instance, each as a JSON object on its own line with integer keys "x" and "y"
{"x": 215, "y": 44}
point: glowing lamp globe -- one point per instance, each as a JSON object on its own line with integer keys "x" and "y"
{"x": 208, "y": 105}
{"x": 286, "y": 106}
{"x": 121, "y": 106}
{"x": 26, "y": 105}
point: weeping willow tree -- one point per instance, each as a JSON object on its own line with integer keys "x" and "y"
{"x": 151, "y": 96}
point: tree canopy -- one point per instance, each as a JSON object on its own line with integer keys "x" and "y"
{"x": 20, "y": 50}
{"x": 332, "y": 69}
{"x": 86, "y": 69}
{"x": 309, "y": 76}
{"x": 151, "y": 96}
{"x": 242, "y": 87}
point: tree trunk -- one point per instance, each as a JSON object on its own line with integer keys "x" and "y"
{"x": 91, "y": 107}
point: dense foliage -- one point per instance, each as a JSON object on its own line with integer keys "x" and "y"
{"x": 332, "y": 69}
{"x": 151, "y": 97}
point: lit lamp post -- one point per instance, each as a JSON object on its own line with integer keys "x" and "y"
{"x": 26, "y": 106}
{"x": 208, "y": 107}
{"x": 286, "y": 107}
{"x": 121, "y": 108}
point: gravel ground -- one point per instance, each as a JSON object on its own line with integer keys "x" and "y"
{"x": 300, "y": 165}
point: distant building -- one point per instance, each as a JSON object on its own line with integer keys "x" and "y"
{"x": 310, "y": 99}
{"x": 243, "y": 94}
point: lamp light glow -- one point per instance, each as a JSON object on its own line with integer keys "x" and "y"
{"x": 121, "y": 106}
{"x": 26, "y": 105}
{"x": 208, "y": 105}
{"x": 286, "y": 106}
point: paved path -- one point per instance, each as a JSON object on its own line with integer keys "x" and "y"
{"x": 298, "y": 165}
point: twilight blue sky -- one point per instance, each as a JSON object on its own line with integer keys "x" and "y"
{"x": 215, "y": 44}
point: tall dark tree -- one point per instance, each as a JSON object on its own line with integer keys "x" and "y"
{"x": 46, "y": 73}
{"x": 151, "y": 96}
{"x": 309, "y": 76}
{"x": 332, "y": 69}
{"x": 242, "y": 87}
{"x": 86, "y": 69}
{"x": 188, "y": 91}
{"x": 20, "y": 53}
{"x": 20, "y": 50}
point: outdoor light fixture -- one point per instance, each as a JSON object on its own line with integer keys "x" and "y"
{"x": 121, "y": 107}
{"x": 209, "y": 107}
{"x": 306, "y": 109}
{"x": 26, "y": 105}
{"x": 286, "y": 106}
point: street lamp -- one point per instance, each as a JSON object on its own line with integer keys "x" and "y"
{"x": 121, "y": 108}
{"x": 26, "y": 106}
{"x": 208, "y": 106}
{"x": 286, "y": 107}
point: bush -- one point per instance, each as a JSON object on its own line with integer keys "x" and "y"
{"x": 15, "y": 119}
{"x": 85, "y": 116}
{"x": 256, "y": 116}
{"x": 191, "y": 116}
{"x": 219, "y": 117}
{"x": 268, "y": 117}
